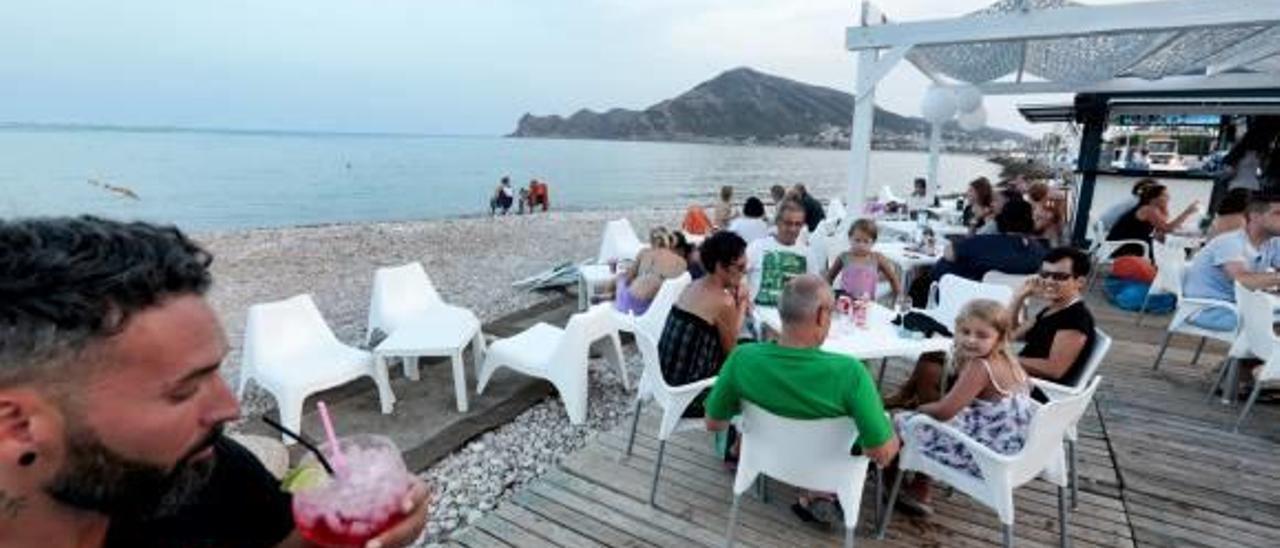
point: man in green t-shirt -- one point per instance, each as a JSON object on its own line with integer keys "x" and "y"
{"x": 794, "y": 378}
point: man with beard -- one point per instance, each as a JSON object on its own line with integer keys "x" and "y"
{"x": 111, "y": 405}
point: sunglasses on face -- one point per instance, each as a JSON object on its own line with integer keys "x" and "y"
{"x": 1055, "y": 276}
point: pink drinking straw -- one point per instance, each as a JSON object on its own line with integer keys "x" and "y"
{"x": 338, "y": 458}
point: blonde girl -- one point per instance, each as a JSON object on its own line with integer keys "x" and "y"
{"x": 988, "y": 402}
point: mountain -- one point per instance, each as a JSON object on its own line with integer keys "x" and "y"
{"x": 746, "y": 106}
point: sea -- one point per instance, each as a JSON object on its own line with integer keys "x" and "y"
{"x": 230, "y": 180}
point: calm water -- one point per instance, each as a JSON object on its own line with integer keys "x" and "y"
{"x": 205, "y": 181}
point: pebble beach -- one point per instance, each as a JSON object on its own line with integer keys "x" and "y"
{"x": 472, "y": 262}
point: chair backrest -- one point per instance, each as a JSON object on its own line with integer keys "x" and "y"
{"x": 798, "y": 452}
{"x": 835, "y": 209}
{"x": 1257, "y": 314}
{"x": 1013, "y": 281}
{"x": 583, "y": 329}
{"x": 1170, "y": 265}
{"x": 1045, "y": 433}
{"x": 278, "y": 332}
{"x": 954, "y": 292}
{"x": 400, "y": 293}
{"x": 1101, "y": 345}
{"x": 655, "y": 318}
{"x": 619, "y": 242}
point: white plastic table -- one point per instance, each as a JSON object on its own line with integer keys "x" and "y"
{"x": 444, "y": 332}
{"x": 908, "y": 229}
{"x": 878, "y": 340}
{"x": 908, "y": 260}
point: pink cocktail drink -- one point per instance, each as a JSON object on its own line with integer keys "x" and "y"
{"x": 361, "y": 500}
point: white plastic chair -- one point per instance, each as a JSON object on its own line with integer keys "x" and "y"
{"x": 1041, "y": 456}
{"x": 655, "y": 318}
{"x": 1187, "y": 308}
{"x": 808, "y": 454}
{"x": 836, "y": 209}
{"x": 1257, "y": 313}
{"x": 619, "y": 242}
{"x": 1013, "y": 281}
{"x": 290, "y": 352}
{"x": 950, "y": 294}
{"x": 1055, "y": 391}
{"x": 1170, "y": 262}
{"x": 417, "y": 322}
{"x": 672, "y": 399}
{"x": 559, "y": 356}
{"x": 1103, "y": 248}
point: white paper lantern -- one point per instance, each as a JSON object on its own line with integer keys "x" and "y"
{"x": 968, "y": 98}
{"x": 939, "y": 105}
{"x": 973, "y": 121}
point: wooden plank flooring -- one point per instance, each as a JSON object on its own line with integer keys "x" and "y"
{"x": 1159, "y": 466}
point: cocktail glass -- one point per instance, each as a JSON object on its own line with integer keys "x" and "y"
{"x": 361, "y": 500}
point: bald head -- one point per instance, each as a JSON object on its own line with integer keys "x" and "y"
{"x": 801, "y": 299}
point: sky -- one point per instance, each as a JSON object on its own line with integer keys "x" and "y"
{"x": 453, "y": 67}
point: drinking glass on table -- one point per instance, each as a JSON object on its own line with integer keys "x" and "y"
{"x": 361, "y": 500}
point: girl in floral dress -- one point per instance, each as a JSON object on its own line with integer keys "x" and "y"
{"x": 989, "y": 400}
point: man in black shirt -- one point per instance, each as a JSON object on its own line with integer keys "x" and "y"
{"x": 111, "y": 404}
{"x": 1060, "y": 338}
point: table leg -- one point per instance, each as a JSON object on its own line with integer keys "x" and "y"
{"x": 410, "y": 365}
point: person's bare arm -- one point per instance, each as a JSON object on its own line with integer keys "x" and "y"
{"x": 884, "y": 453}
{"x": 1067, "y": 346}
{"x": 1016, "y": 305}
{"x": 1162, "y": 223}
{"x": 890, "y": 272}
{"x": 714, "y": 425}
{"x": 1251, "y": 280}
{"x": 733, "y": 310}
{"x": 835, "y": 269}
{"x": 973, "y": 379}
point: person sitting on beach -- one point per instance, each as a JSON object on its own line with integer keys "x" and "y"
{"x": 538, "y": 195}
{"x": 1117, "y": 210}
{"x": 112, "y": 406}
{"x": 502, "y": 197}
{"x": 1149, "y": 219}
{"x": 704, "y": 322}
{"x": 813, "y": 212}
{"x": 1230, "y": 215}
{"x": 524, "y": 202}
{"x": 979, "y": 209}
{"x": 1011, "y": 250}
{"x": 772, "y": 261}
{"x": 989, "y": 402}
{"x": 695, "y": 221}
{"x": 641, "y": 282}
{"x": 795, "y": 378}
{"x": 723, "y": 209}
{"x": 860, "y": 269}
{"x": 751, "y": 225}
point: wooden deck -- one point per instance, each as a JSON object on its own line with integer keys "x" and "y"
{"x": 1159, "y": 467}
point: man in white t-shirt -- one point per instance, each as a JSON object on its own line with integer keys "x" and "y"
{"x": 772, "y": 261}
{"x": 1243, "y": 256}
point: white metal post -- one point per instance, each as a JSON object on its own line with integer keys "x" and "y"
{"x": 864, "y": 107}
{"x": 935, "y": 150}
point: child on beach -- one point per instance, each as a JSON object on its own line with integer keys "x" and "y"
{"x": 860, "y": 268}
{"x": 989, "y": 401}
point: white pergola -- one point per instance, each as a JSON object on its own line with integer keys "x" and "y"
{"x": 1016, "y": 47}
